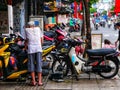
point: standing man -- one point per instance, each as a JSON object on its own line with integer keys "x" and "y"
{"x": 33, "y": 42}
{"x": 117, "y": 25}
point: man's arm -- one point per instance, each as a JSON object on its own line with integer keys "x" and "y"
{"x": 26, "y": 44}
{"x": 41, "y": 35}
{"x": 42, "y": 40}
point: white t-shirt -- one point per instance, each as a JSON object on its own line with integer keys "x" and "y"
{"x": 34, "y": 39}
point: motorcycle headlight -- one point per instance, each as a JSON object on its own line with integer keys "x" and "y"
{"x": 64, "y": 50}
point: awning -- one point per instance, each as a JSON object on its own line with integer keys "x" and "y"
{"x": 117, "y": 6}
{"x": 13, "y": 2}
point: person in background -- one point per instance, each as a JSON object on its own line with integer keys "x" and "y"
{"x": 109, "y": 23}
{"x": 107, "y": 44}
{"x": 117, "y": 25}
{"x": 71, "y": 24}
{"x": 97, "y": 20}
{"x": 33, "y": 44}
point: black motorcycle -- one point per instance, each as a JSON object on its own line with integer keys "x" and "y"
{"x": 96, "y": 26}
{"x": 103, "y": 62}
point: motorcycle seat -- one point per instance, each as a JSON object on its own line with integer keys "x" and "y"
{"x": 48, "y": 43}
{"x": 100, "y": 52}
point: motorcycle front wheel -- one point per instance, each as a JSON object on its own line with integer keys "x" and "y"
{"x": 50, "y": 59}
{"x": 113, "y": 66}
{"x": 60, "y": 66}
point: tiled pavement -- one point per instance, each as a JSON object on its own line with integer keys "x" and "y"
{"x": 95, "y": 83}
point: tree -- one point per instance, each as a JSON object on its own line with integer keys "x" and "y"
{"x": 86, "y": 30}
{"x": 92, "y": 2}
{"x": 93, "y": 10}
{"x": 87, "y": 4}
{"x": 113, "y": 7}
{"x": 87, "y": 24}
{"x": 104, "y": 12}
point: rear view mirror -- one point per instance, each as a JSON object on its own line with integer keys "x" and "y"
{"x": 11, "y": 28}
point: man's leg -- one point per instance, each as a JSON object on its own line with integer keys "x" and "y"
{"x": 40, "y": 78}
{"x": 39, "y": 67}
{"x": 31, "y": 68}
{"x": 33, "y": 78}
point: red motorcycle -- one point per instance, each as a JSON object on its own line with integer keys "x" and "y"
{"x": 56, "y": 35}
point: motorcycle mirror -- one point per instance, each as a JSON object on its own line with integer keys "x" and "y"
{"x": 11, "y": 28}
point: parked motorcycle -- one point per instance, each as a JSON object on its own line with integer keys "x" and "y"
{"x": 55, "y": 36}
{"x": 49, "y": 35}
{"x": 12, "y": 55}
{"x": 103, "y": 62}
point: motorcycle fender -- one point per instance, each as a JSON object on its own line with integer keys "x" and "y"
{"x": 46, "y": 51}
{"x": 75, "y": 59}
{"x": 3, "y": 48}
{"x": 6, "y": 56}
{"x": 6, "y": 61}
{"x": 16, "y": 74}
{"x": 117, "y": 60}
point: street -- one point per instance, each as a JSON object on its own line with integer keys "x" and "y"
{"x": 108, "y": 33}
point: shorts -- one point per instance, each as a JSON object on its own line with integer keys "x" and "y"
{"x": 35, "y": 62}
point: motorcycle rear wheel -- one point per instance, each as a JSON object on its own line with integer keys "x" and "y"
{"x": 115, "y": 68}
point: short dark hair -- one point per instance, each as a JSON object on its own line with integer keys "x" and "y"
{"x": 106, "y": 41}
{"x": 117, "y": 24}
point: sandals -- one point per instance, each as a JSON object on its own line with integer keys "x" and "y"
{"x": 33, "y": 83}
{"x": 40, "y": 84}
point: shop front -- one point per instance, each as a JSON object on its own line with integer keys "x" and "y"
{"x": 11, "y": 15}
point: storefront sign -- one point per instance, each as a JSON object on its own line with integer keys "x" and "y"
{"x": 39, "y": 19}
{"x": 96, "y": 41}
{"x": 62, "y": 19}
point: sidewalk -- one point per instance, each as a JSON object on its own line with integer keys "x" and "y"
{"x": 95, "y": 83}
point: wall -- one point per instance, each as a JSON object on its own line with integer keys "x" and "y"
{"x": 4, "y": 22}
{"x": 19, "y": 17}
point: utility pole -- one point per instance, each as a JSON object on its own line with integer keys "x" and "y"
{"x": 87, "y": 24}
